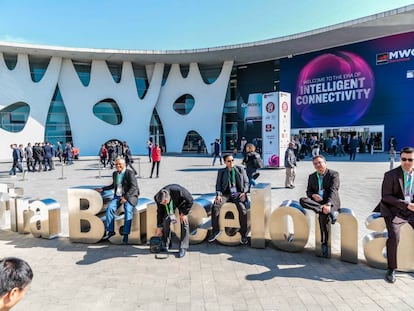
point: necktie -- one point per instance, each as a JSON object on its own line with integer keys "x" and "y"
{"x": 408, "y": 184}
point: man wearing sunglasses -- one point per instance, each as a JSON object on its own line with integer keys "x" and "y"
{"x": 397, "y": 205}
{"x": 232, "y": 184}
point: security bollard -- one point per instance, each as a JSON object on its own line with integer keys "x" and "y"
{"x": 100, "y": 165}
{"x": 62, "y": 171}
{"x": 139, "y": 167}
{"x": 24, "y": 174}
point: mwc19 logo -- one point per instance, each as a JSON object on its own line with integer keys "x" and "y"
{"x": 395, "y": 56}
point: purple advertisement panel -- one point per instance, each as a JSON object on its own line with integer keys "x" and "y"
{"x": 363, "y": 84}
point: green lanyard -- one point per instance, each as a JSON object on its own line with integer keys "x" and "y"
{"x": 169, "y": 208}
{"x": 232, "y": 177}
{"x": 408, "y": 183}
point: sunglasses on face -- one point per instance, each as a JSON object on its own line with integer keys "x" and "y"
{"x": 406, "y": 159}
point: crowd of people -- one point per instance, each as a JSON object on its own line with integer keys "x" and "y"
{"x": 41, "y": 156}
{"x": 335, "y": 145}
{"x": 114, "y": 149}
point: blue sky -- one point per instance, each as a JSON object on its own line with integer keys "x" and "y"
{"x": 172, "y": 24}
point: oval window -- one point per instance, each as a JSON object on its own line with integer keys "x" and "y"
{"x": 184, "y": 104}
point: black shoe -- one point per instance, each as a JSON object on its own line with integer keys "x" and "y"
{"x": 125, "y": 239}
{"x": 244, "y": 240}
{"x": 333, "y": 215}
{"x": 390, "y": 276}
{"x": 214, "y": 236}
{"x": 255, "y": 175}
{"x": 166, "y": 248}
{"x": 108, "y": 235}
{"x": 325, "y": 252}
{"x": 181, "y": 253}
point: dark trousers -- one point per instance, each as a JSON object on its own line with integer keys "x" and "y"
{"x": 394, "y": 224}
{"x": 308, "y": 203}
{"x": 185, "y": 233}
{"x": 48, "y": 164}
{"x": 30, "y": 164}
{"x": 103, "y": 161}
{"x": 241, "y": 208}
{"x": 157, "y": 163}
{"x": 39, "y": 163}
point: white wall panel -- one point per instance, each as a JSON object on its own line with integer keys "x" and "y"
{"x": 88, "y": 131}
{"x": 205, "y": 117}
{"x": 16, "y": 85}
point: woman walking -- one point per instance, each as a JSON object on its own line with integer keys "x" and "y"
{"x": 156, "y": 158}
{"x": 253, "y": 163}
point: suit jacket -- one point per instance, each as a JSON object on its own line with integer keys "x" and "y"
{"x": 48, "y": 151}
{"x": 330, "y": 185}
{"x": 392, "y": 195}
{"x": 290, "y": 158}
{"x": 16, "y": 154}
{"x": 130, "y": 190}
{"x": 182, "y": 199}
{"x": 222, "y": 182}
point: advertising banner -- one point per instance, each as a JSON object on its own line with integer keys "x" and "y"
{"x": 275, "y": 127}
{"x": 365, "y": 84}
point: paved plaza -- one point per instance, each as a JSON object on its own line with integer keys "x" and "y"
{"x": 102, "y": 276}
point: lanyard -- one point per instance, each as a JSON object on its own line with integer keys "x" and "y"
{"x": 232, "y": 177}
{"x": 408, "y": 183}
{"x": 169, "y": 208}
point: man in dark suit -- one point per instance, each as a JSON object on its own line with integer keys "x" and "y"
{"x": 232, "y": 184}
{"x": 397, "y": 205}
{"x": 16, "y": 160}
{"x": 126, "y": 192}
{"x": 168, "y": 199}
{"x": 49, "y": 153}
{"x": 322, "y": 197}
